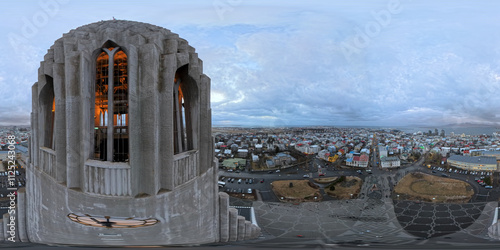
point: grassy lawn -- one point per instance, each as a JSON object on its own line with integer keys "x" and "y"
{"x": 255, "y": 166}
{"x": 420, "y": 186}
{"x": 343, "y": 190}
{"x": 325, "y": 180}
{"x": 301, "y": 191}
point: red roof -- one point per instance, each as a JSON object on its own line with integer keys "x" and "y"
{"x": 364, "y": 158}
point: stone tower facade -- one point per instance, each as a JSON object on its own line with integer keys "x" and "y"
{"x": 121, "y": 151}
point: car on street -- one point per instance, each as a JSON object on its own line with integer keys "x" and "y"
{"x": 262, "y": 181}
{"x": 305, "y": 176}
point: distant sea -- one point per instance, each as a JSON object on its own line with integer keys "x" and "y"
{"x": 457, "y": 130}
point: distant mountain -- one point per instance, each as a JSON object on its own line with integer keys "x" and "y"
{"x": 471, "y": 125}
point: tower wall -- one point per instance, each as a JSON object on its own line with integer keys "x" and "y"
{"x": 178, "y": 189}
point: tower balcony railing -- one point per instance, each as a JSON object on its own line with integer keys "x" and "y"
{"x": 48, "y": 161}
{"x": 185, "y": 167}
{"x": 107, "y": 178}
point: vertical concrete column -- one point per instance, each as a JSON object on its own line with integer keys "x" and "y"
{"x": 169, "y": 65}
{"x": 73, "y": 118}
{"x": 233, "y": 224}
{"x": 6, "y": 228}
{"x": 5, "y": 220}
{"x": 110, "y": 130}
{"x": 60, "y": 122}
{"x": 21, "y": 215}
{"x": 193, "y": 129}
{"x": 134, "y": 120}
{"x": 34, "y": 120}
{"x": 87, "y": 93}
{"x": 248, "y": 230}
{"x": 205, "y": 122}
{"x": 2, "y": 230}
{"x": 224, "y": 217}
{"x": 241, "y": 228}
{"x": 147, "y": 170}
{"x": 255, "y": 231}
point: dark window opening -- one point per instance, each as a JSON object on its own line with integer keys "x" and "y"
{"x": 184, "y": 102}
{"x": 48, "y": 108}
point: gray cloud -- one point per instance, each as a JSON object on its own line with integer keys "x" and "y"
{"x": 282, "y": 63}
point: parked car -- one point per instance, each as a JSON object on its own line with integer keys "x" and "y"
{"x": 262, "y": 181}
{"x": 239, "y": 181}
{"x": 249, "y": 190}
{"x": 305, "y": 176}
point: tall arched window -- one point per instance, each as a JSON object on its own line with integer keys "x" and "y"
{"x": 180, "y": 143}
{"x": 111, "y": 104}
{"x": 185, "y": 103}
{"x": 47, "y": 105}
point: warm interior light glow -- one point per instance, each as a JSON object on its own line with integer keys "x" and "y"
{"x": 119, "y": 102}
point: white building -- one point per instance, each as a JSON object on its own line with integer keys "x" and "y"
{"x": 390, "y": 162}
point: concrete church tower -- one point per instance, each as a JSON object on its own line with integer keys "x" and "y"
{"x": 121, "y": 151}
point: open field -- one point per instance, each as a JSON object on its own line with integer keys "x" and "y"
{"x": 302, "y": 190}
{"x": 420, "y": 186}
{"x": 343, "y": 190}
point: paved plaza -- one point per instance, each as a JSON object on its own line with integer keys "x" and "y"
{"x": 372, "y": 220}
{"x": 374, "y": 217}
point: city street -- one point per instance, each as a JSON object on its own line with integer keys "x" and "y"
{"x": 384, "y": 179}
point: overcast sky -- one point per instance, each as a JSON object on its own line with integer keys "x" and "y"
{"x": 285, "y": 63}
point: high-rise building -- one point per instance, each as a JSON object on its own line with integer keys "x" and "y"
{"x": 121, "y": 150}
